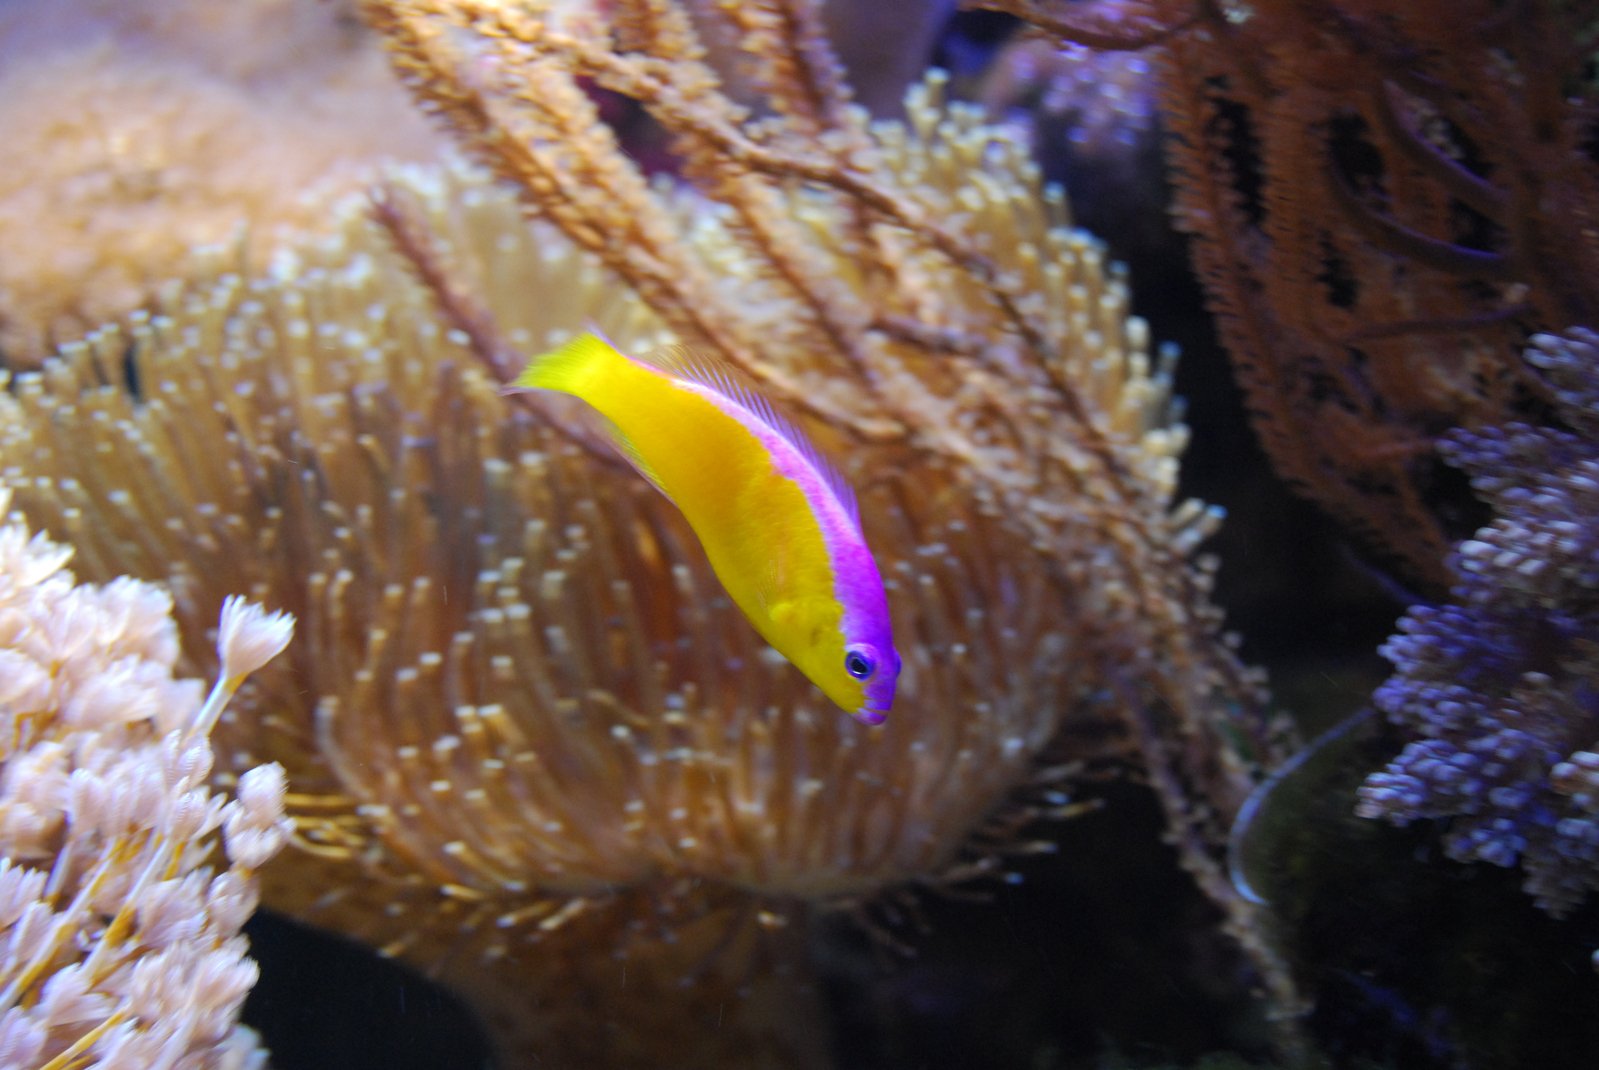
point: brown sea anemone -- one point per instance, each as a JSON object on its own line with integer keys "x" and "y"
{"x": 535, "y": 747}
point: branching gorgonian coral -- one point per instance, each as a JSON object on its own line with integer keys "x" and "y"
{"x": 1384, "y": 198}
{"x": 119, "y": 943}
{"x": 1500, "y": 687}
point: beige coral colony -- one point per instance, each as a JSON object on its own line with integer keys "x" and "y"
{"x": 530, "y": 748}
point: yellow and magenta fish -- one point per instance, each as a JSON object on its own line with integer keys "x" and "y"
{"x": 779, "y": 525}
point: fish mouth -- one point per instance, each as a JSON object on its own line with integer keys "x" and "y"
{"x": 870, "y": 715}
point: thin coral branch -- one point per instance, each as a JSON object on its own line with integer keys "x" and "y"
{"x": 1108, "y": 25}
{"x": 1394, "y": 236}
{"x": 414, "y": 241}
{"x": 802, "y": 78}
{"x": 1440, "y": 325}
{"x": 658, "y": 27}
{"x": 1390, "y": 108}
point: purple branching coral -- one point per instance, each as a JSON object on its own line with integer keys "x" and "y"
{"x": 1502, "y": 685}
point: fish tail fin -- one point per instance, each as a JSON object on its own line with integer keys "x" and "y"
{"x": 573, "y": 368}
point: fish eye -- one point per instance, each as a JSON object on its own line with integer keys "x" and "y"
{"x": 859, "y": 664}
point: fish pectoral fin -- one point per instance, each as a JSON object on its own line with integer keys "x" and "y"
{"x": 769, "y": 587}
{"x": 800, "y": 618}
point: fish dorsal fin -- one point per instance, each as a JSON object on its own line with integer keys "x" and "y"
{"x": 726, "y": 381}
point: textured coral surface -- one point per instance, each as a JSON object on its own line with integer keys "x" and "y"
{"x": 139, "y": 131}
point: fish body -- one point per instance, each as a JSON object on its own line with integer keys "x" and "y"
{"x": 779, "y": 526}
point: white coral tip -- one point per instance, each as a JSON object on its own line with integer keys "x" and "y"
{"x": 249, "y": 636}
